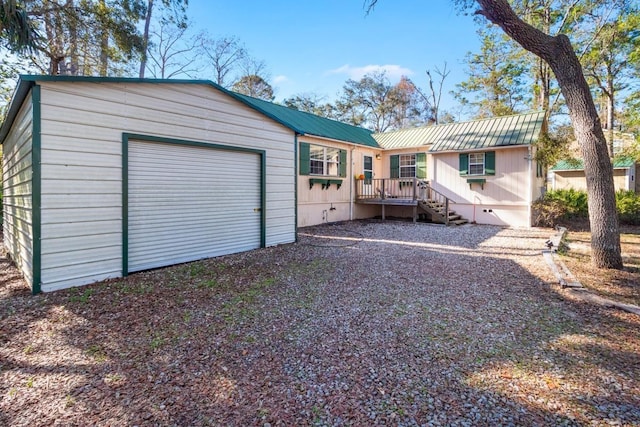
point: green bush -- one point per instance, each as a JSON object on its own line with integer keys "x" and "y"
{"x": 560, "y": 206}
{"x": 628, "y": 205}
{"x": 574, "y": 202}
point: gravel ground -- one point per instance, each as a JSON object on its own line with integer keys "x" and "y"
{"x": 362, "y": 323}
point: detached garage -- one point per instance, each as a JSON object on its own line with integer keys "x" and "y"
{"x": 103, "y": 177}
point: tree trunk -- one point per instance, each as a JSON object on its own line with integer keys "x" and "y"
{"x": 145, "y": 39}
{"x": 610, "y": 114}
{"x": 559, "y": 54}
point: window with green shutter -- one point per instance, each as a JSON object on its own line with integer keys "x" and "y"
{"x": 320, "y": 160}
{"x": 475, "y": 164}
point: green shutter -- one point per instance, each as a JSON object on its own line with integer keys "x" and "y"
{"x": 490, "y": 163}
{"x": 305, "y": 158}
{"x": 421, "y": 165}
{"x": 343, "y": 163}
{"x": 464, "y": 164}
{"x": 395, "y": 166}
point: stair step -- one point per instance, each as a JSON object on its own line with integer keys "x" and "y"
{"x": 459, "y": 222}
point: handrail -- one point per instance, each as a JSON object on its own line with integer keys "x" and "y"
{"x": 385, "y": 189}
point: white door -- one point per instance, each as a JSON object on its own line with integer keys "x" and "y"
{"x": 190, "y": 202}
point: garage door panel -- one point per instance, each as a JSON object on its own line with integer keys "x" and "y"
{"x": 190, "y": 202}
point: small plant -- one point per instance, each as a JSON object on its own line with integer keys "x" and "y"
{"x": 69, "y": 401}
{"x": 29, "y": 382}
{"x": 97, "y": 353}
{"x": 157, "y": 342}
{"x": 81, "y": 297}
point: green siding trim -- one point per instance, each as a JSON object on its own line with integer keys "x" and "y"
{"x": 125, "y": 204}
{"x": 126, "y": 137}
{"x": 464, "y": 164}
{"x": 421, "y": 165}
{"x": 343, "y": 163}
{"x": 305, "y": 158}
{"x": 490, "y": 163}
{"x": 394, "y": 171}
{"x": 36, "y": 192}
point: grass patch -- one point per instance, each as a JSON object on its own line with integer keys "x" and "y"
{"x": 81, "y": 296}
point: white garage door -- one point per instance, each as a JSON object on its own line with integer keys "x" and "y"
{"x": 189, "y": 202}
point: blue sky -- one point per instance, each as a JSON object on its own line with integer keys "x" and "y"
{"x": 316, "y": 45}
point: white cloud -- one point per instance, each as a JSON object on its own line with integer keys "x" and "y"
{"x": 280, "y": 79}
{"x": 393, "y": 72}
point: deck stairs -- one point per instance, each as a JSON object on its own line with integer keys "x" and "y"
{"x": 438, "y": 212}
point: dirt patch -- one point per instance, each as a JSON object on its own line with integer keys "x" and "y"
{"x": 620, "y": 285}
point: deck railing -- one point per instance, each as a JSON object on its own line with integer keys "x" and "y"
{"x": 386, "y": 190}
{"x": 391, "y": 188}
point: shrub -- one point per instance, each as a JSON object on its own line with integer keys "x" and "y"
{"x": 628, "y": 205}
{"x": 565, "y": 205}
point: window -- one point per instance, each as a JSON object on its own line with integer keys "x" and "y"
{"x": 476, "y": 164}
{"x": 320, "y": 160}
{"x": 407, "y": 166}
{"x": 367, "y": 167}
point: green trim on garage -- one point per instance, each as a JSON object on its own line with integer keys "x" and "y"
{"x": 36, "y": 190}
{"x": 126, "y": 137}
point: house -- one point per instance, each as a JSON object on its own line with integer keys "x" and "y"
{"x": 568, "y": 174}
{"x": 485, "y": 168}
{"x": 107, "y": 176}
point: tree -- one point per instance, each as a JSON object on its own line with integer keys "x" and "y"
{"x": 84, "y": 37}
{"x": 255, "y": 86}
{"x": 375, "y": 103}
{"x": 172, "y": 51}
{"x": 178, "y": 6}
{"x": 496, "y": 78}
{"x": 311, "y": 103}
{"x": 435, "y": 95}
{"x": 223, "y": 56}
{"x": 607, "y": 61}
{"x": 558, "y": 52}
{"x": 16, "y": 29}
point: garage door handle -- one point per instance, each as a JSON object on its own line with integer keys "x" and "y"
{"x": 257, "y": 209}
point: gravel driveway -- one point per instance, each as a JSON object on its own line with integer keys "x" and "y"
{"x": 362, "y": 323}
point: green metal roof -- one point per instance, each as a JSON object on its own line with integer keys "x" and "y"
{"x": 520, "y": 129}
{"x": 298, "y": 121}
{"x": 406, "y": 138}
{"x": 577, "y": 164}
{"x": 310, "y": 124}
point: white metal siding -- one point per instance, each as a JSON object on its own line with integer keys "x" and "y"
{"x": 17, "y": 191}
{"x": 82, "y": 127}
{"x": 188, "y": 203}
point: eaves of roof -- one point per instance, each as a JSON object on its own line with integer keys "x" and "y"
{"x": 298, "y": 121}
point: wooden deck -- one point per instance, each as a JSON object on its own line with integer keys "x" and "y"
{"x": 406, "y": 192}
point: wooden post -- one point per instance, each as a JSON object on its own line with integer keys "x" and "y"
{"x": 446, "y": 211}
{"x": 383, "y": 210}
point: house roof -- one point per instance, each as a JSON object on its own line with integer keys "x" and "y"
{"x": 520, "y": 129}
{"x": 576, "y": 164}
{"x": 310, "y": 124}
{"x": 406, "y": 138}
{"x": 298, "y": 121}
